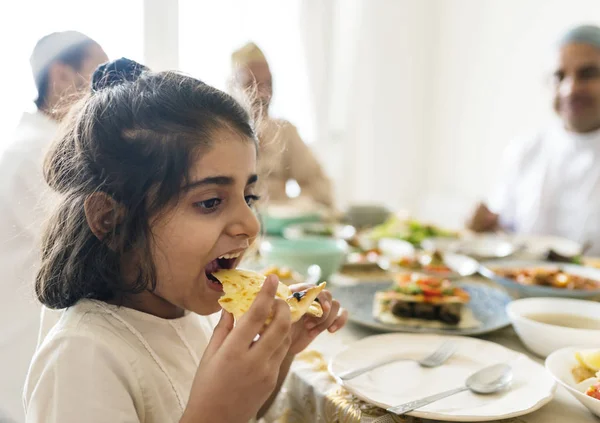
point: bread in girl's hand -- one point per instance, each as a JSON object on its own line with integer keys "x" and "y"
{"x": 242, "y": 286}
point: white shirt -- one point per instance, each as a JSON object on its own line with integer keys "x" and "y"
{"x": 22, "y": 188}
{"x": 551, "y": 186}
{"x": 102, "y": 363}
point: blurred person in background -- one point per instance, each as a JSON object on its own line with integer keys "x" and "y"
{"x": 551, "y": 180}
{"x": 283, "y": 154}
{"x": 62, "y": 64}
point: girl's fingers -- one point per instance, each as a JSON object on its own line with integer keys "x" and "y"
{"x": 340, "y": 322}
{"x": 333, "y": 315}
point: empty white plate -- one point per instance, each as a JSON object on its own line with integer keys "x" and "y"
{"x": 406, "y": 381}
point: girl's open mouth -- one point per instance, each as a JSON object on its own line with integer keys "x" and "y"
{"x": 226, "y": 261}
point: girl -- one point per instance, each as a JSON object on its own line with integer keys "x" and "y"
{"x": 157, "y": 172}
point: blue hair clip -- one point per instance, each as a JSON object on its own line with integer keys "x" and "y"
{"x": 116, "y": 72}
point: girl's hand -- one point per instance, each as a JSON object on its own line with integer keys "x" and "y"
{"x": 237, "y": 373}
{"x": 308, "y": 328}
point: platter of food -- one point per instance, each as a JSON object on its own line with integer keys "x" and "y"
{"x": 542, "y": 279}
{"x": 420, "y": 303}
{"x": 435, "y": 263}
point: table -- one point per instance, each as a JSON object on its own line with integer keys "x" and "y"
{"x": 312, "y": 395}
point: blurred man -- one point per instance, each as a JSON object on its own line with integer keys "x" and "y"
{"x": 283, "y": 154}
{"x": 62, "y": 65}
{"x": 551, "y": 181}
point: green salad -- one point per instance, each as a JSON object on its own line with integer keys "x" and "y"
{"x": 409, "y": 230}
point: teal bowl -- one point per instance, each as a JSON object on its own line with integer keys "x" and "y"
{"x": 273, "y": 225}
{"x": 299, "y": 254}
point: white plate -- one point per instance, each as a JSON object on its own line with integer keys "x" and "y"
{"x": 559, "y": 364}
{"x": 441, "y": 244}
{"x": 486, "y": 247}
{"x": 405, "y": 381}
{"x": 459, "y": 266}
{"x": 395, "y": 248}
{"x": 537, "y": 246}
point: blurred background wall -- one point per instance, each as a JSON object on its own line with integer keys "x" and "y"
{"x": 408, "y": 103}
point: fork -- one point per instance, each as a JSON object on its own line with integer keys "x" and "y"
{"x": 435, "y": 359}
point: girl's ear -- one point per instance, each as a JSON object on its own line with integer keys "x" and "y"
{"x": 103, "y": 214}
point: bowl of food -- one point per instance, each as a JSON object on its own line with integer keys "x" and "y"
{"x": 279, "y": 215}
{"x": 323, "y": 229}
{"x": 300, "y": 254}
{"x": 542, "y": 279}
{"x": 576, "y": 369}
{"x": 545, "y": 325}
{"x": 275, "y": 224}
{"x": 366, "y": 215}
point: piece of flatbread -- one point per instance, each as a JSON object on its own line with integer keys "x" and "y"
{"x": 242, "y": 286}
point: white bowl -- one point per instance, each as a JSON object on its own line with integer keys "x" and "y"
{"x": 559, "y": 364}
{"x": 543, "y": 339}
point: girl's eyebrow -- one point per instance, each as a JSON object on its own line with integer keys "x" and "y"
{"x": 218, "y": 180}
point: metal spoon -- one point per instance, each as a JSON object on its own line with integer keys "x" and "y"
{"x": 486, "y": 381}
{"x": 462, "y": 265}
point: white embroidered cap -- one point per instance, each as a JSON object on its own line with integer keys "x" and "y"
{"x": 52, "y": 46}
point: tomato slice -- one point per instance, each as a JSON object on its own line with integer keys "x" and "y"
{"x": 438, "y": 269}
{"x": 594, "y": 391}
{"x": 430, "y": 291}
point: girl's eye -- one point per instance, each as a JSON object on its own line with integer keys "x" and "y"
{"x": 208, "y": 205}
{"x": 251, "y": 199}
